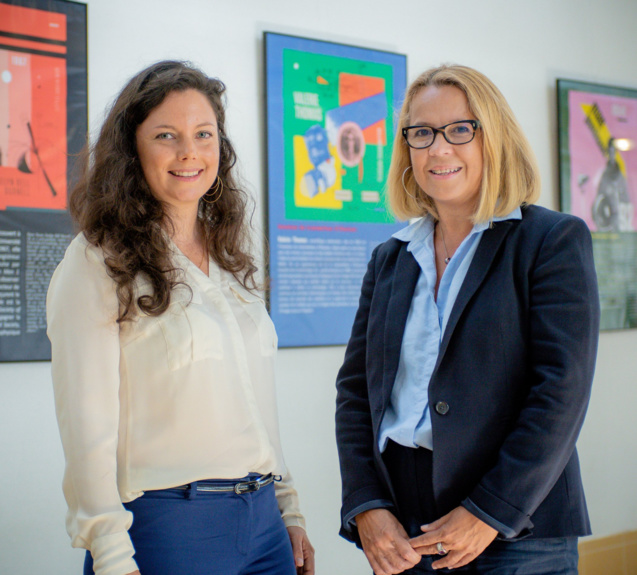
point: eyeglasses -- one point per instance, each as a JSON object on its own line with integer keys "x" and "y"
{"x": 456, "y": 133}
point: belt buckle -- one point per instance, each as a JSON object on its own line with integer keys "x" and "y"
{"x": 247, "y": 487}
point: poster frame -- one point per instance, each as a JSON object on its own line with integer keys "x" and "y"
{"x": 54, "y": 224}
{"x": 615, "y": 250}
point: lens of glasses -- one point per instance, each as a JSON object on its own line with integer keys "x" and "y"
{"x": 420, "y": 136}
{"x": 454, "y": 133}
{"x": 459, "y": 133}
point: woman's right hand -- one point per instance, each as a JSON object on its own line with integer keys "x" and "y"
{"x": 135, "y": 573}
{"x": 385, "y": 542}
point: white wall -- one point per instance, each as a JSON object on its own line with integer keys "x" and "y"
{"x": 522, "y": 46}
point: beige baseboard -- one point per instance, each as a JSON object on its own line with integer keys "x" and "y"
{"x": 614, "y": 555}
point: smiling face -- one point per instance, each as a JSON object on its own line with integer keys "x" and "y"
{"x": 450, "y": 174}
{"x": 178, "y": 148}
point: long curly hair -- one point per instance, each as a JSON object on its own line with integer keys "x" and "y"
{"x": 113, "y": 205}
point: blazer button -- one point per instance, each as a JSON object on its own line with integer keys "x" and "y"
{"x": 442, "y": 407}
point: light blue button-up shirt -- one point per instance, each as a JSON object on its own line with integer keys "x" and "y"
{"x": 407, "y": 420}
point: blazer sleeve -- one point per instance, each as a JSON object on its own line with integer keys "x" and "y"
{"x": 562, "y": 339}
{"x": 354, "y": 426}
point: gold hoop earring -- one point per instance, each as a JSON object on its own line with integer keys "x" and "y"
{"x": 214, "y": 192}
{"x": 417, "y": 200}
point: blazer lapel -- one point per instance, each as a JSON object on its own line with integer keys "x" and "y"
{"x": 482, "y": 260}
{"x": 403, "y": 286}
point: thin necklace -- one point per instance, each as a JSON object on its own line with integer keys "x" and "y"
{"x": 442, "y": 235}
{"x": 203, "y": 259}
{"x": 204, "y": 253}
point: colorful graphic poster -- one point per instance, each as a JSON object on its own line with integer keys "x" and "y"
{"x": 598, "y": 175}
{"x": 42, "y": 125}
{"x": 331, "y": 122}
{"x": 33, "y": 116}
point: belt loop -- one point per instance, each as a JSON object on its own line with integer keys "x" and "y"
{"x": 191, "y": 493}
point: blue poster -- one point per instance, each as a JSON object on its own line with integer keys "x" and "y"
{"x": 331, "y": 113}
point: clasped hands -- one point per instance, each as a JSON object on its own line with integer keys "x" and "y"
{"x": 389, "y": 549}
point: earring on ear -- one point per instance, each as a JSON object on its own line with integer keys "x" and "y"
{"x": 417, "y": 200}
{"x": 214, "y": 193}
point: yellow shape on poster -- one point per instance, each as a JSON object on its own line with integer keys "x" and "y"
{"x": 600, "y": 130}
{"x": 302, "y": 165}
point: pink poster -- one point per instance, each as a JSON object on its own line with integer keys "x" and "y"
{"x": 603, "y": 178}
{"x": 598, "y": 183}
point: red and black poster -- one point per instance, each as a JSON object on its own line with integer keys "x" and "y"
{"x": 43, "y": 125}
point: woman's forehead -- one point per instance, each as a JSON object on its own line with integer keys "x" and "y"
{"x": 435, "y": 104}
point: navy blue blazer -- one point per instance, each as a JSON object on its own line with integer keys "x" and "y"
{"x": 511, "y": 385}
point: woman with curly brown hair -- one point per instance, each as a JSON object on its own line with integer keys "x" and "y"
{"x": 163, "y": 356}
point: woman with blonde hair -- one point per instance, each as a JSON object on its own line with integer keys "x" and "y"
{"x": 468, "y": 372}
{"x": 162, "y": 353}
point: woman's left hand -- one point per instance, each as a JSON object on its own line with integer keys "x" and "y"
{"x": 461, "y": 533}
{"x": 302, "y": 550}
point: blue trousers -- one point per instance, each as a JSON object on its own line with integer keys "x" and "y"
{"x": 417, "y": 506}
{"x": 178, "y": 532}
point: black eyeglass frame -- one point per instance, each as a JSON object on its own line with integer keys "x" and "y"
{"x": 475, "y": 124}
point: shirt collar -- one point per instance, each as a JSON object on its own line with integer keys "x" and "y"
{"x": 422, "y": 227}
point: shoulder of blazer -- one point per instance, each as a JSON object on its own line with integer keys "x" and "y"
{"x": 544, "y": 217}
{"x": 537, "y": 222}
{"x": 387, "y": 253}
{"x": 390, "y": 247}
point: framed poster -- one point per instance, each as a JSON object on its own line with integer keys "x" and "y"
{"x": 598, "y": 183}
{"x": 43, "y": 124}
{"x": 331, "y": 113}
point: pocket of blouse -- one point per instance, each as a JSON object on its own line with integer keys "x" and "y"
{"x": 191, "y": 334}
{"x": 255, "y": 308}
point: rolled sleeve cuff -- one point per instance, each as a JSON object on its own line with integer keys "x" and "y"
{"x": 349, "y": 521}
{"x": 500, "y": 527}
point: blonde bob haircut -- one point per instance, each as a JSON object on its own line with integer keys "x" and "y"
{"x": 510, "y": 175}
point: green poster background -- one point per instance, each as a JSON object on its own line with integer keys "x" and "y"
{"x": 300, "y": 73}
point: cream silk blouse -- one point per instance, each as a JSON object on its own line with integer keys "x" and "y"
{"x": 160, "y": 401}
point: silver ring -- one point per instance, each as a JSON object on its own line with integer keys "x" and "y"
{"x": 441, "y": 549}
